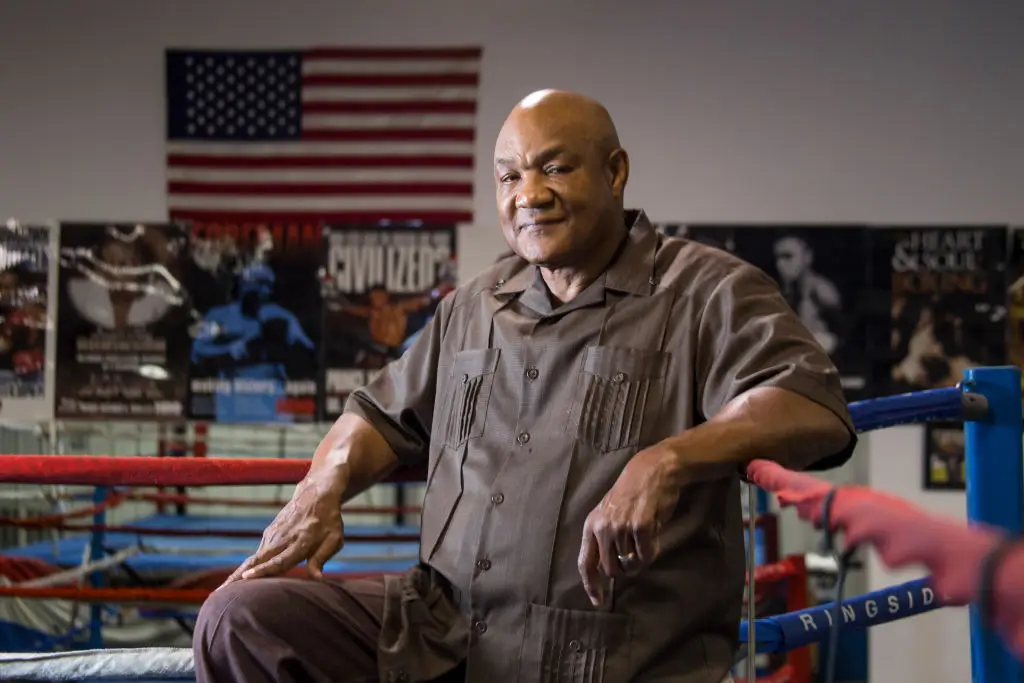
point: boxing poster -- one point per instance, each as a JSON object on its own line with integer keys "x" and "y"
{"x": 255, "y": 334}
{"x": 1015, "y": 297}
{"x": 122, "y": 331}
{"x": 382, "y": 285}
{"x": 944, "y": 459}
{"x": 821, "y": 272}
{"x": 26, "y": 322}
{"x": 948, "y": 302}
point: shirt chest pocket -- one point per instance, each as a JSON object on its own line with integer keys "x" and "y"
{"x": 469, "y": 394}
{"x": 575, "y": 646}
{"x": 619, "y": 390}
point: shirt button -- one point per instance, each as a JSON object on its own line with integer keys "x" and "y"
{"x": 465, "y": 378}
{"x": 483, "y": 565}
{"x": 523, "y": 438}
{"x": 532, "y": 373}
{"x": 498, "y": 498}
{"x": 619, "y": 377}
{"x": 480, "y": 627}
{"x": 499, "y": 283}
{"x": 575, "y": 645}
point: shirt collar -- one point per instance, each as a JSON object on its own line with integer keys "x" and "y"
{"x": 632, "y": 271}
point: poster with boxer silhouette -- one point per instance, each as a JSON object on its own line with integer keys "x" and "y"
{"x": 26, "y": 321}
{"x": 122, "y": 328}
{"x": 255, "y": 331}
{"x": 1015, "y": 298}
{"x": 822, "y": 273}
{"x": 381, "y": 286}
{"x": 947, "y": 288}
{"x": 944, "y": 461}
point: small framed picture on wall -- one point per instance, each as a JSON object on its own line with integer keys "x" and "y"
{"x": 944, "y": 457}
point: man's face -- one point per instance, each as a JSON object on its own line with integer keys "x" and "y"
{"x": 792, "y": 258}
{"x": 555, "y": 193}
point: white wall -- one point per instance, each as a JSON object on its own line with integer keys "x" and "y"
{"x": 746, "y": 110}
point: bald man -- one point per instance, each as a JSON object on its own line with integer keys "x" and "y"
{"x": 585, "y": 406}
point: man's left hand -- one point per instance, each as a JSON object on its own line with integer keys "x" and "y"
{"x": 620, "y": 536}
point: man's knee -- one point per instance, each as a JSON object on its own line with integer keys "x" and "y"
{"x": 235, "y": 608}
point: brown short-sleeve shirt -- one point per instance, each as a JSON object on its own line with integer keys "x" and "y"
{"x": 527, "y": 413}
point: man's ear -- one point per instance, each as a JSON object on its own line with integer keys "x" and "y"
{"x": 617, "y": 170}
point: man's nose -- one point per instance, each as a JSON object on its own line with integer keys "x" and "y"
{"x": 534, "y": 193}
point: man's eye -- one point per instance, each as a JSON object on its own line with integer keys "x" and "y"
{"x": 509, "y": 178}
{"x": 557, "y": 169}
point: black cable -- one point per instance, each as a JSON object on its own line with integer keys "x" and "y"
{"x": 987, "y": 580}
{"x": 843, "y": 562}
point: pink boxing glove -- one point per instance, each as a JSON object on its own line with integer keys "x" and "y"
{"x": 902, "y": 533}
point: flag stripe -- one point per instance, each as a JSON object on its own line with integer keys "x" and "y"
{"x": 359, "y": 132}
{"x": 289, "y": 175}
{"x": 283, "y": 162}
{"x": 322, "y": 149}
{"x": 393, "y": 107}
{"x": 386, "y": 121}
{"x": 390, "y": 134}
{"x": 331, "y": 203}
{"x": 390, "y": 80}
{"x": 317, "y": 189}
{"x": 380, "y": 53}
{"x": 272, "y": 217}
{"x": 383, "y": 66}
{"x": 371, "y": 93}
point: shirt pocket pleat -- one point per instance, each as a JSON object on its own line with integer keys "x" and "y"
{"x": 575, "y": 646}
{"x": 471, "y": 379}
{"x": 618, "y": 389}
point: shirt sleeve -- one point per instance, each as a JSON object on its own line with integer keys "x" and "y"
{"x": 750, "y": 337}
{"x": 399, "y": 400}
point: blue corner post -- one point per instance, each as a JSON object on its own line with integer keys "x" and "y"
{"x": 994, "y": 463}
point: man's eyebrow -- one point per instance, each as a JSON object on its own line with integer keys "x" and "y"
{"x": 540, "y": 158}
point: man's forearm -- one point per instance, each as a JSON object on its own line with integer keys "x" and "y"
{"x": 766, "y": 423}
{"x": 354, "y": 450}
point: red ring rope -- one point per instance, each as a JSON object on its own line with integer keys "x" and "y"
{"x": 50, "y": 521}
{"x": 223, "y": 533}
{"x": 238, "y": 502}
{"x": 139, "y": 595}
{"x": 90, "y": 470}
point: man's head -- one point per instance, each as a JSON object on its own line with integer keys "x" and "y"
{"x": 793, "y": 258}
{"x": 255, "y": 285}
{"x": 379, "y": 297}
{"x": 560, "y": 175}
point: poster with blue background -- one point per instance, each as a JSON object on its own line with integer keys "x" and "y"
{"x": 255, "y": 330}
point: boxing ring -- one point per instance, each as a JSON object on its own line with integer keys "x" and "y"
{"x": 988, "y": 401}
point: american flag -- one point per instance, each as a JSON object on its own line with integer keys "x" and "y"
{"x": 337, "y": 135}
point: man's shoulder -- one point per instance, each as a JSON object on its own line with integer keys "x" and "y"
{"x": 697, "y": 267}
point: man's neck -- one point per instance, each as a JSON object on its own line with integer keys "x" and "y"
{"x": 566, "y": 283}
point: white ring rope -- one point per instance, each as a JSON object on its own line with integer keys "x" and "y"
{"x": 81, "y": 571}
{"x": 165, "y": 663}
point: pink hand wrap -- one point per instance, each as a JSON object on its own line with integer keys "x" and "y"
{"x": 904, "y": 534}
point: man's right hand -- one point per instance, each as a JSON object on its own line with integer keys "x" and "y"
{"x": 308, "y": 528}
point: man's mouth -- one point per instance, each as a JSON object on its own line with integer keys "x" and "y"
{"x": 539, "y": 223}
